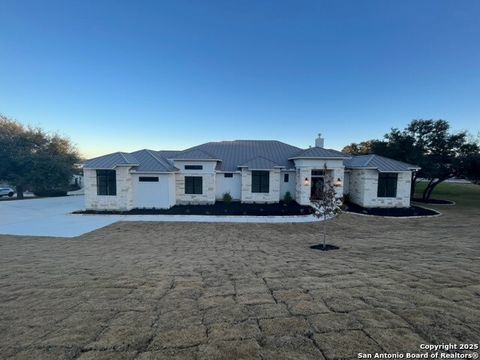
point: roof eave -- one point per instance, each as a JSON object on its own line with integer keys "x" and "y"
{"x": 153, "y": 172}
{"x": 175, "y": 159}
{"x": 110, "y": 168}
{"x": 320, "y": 157}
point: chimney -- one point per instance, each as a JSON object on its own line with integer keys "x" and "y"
{"x": 319, "y": 141}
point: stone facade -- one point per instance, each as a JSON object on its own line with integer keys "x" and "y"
{"x": 208, "y": 191}
{"x": 335, "y": 170}
{"x": 274, "y": 186}
{"x": 122, "y": 201}
{"x": 364, "y": 187}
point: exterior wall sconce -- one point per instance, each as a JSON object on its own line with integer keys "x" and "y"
{"x": 306, "y": 182}
{"x": 338, "y": 183}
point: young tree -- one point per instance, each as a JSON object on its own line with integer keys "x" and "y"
{"x": 31, "y": 158}
{"x": 326, "y": 205}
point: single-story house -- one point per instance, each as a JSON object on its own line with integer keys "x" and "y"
{"x": 251, "y": 171}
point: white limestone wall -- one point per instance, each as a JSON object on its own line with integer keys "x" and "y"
{"x": 208, "y": 191}
{"x": 357, "y": 185}
{"x": 208, "y": 182}
{"x": 271, "y": 197}
{"x": 364, "y": 187}
{"x": 231, "y": 185}
{"x": 122, "y": 201}
{"x": 335, "y": 170}
{"x": 346, "y": 182}
{"x": 289, "y": 186}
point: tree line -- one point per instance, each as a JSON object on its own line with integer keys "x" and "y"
{"x": 431, "y": 145}
{"x": 32, "y": 159}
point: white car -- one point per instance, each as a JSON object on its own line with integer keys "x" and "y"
{"x": 6, "y": 191}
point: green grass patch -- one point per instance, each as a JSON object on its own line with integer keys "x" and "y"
{"x": 467, "y": 195}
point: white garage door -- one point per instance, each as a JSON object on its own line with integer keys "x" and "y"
{"x": 152, "y": 191}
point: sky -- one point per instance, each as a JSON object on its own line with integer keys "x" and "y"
{"x": 124, "y": 75}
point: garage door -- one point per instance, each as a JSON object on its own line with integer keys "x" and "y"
{"x": 152, "y": 191}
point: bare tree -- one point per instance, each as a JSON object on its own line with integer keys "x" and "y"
{"x": 326, "y": 205}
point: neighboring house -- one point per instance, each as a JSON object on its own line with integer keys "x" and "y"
{"x": 251, "y": 171}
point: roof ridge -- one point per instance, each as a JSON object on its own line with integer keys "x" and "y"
{"x": 124, "y": 157}
{"x": 370, "y": 159}
{"x": 162, "y": 161}
{"x": 197, "y": 149}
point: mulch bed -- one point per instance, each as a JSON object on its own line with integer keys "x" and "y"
{"x": 395, "y": 212}
{"x": 219, "y": 208}
{"x": 327, "y": 247}
{"x": 434, "y": 201}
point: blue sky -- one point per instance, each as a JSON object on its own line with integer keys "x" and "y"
{"x": 124, "y": 75}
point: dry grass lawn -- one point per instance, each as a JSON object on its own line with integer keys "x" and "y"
{"x": 230, "y": 291}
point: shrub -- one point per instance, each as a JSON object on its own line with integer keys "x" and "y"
{"x": 287, "y": 198}
{"x": 227, "y": 198}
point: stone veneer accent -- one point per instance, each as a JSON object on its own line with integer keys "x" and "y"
{"x": 270, "y": 197}
{"x": 364, "y": 186}
{"x": 303, "y": 190}
{"x": 208, "y": 182}
{"x": 122, "y": 201}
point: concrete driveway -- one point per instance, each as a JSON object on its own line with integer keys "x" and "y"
{"x": 49, "y": 217}
{"x": 53, "y": 217}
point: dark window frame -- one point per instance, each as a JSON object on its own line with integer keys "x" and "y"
{"x": 148, "y": 178}
{"x": 193, "y": 185}
{"x": 260, "y": 181}
{"x": 387, "y": 185}
{"x": 193, "y": 167}
{"x": 106, "y": 182}
{"x": 228, "y": 175}
{"x": 286, "y": 178}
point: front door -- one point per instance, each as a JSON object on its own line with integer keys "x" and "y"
{"x": 316, "y": 187}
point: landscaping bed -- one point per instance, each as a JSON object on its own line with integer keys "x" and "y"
{"x": 394, "y": 212}
{"x": 434, "y": 201}
{"x": 219, "y": 208}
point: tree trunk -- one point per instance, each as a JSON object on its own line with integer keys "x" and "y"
{"x": 413, "y": 185}
{"x": 429, "y": 189}
{"x": 324, "y": 231}
{"x": 19, "y": 191}
{"x": 425, "y": 192}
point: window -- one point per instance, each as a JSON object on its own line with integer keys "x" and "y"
{"x": 230, "y": 175}
{"x": 387, "y": 185}
{"x": 260, "y": 181}
{"x": 148, "y": 179}
{"x": 106, "y": 182}
{"x": 193, "y": 167}
{"x": 193, "y": 185}
{"x": 285, "y": 177}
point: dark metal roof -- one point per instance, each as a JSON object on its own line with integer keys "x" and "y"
{"x": 318, "y": 152}
{"x": 194, "y": 154}
{"x": 110, "y": 161}
{"x": 231, "y": 155}
{"x": 238, "y": 152}
{"x": 260, "y": 163}
{"x": 379, "y": 163}
{"x": 152, "y": 161}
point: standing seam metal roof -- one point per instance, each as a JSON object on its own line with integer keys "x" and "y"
{"x": 255, "y": 154}
{"x": 378, "y": 162}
